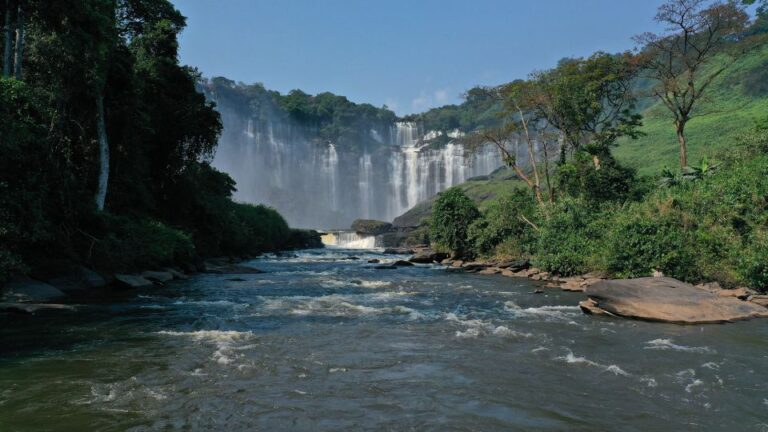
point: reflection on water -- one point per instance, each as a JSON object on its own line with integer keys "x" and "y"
{"x": 321, "y": 342}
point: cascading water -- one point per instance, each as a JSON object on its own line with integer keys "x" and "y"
{"x": 315, "y": 184}
{"x": 349, "y": 240}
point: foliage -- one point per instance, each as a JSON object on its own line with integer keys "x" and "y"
{"x": 595, "y": 176}
{"x": 452, "y": 215}
{"x": 334, "y": 118}
{"x": 504, "y": 219}
{"x": 164, "y": 203}
{"x": 568, "y": 241}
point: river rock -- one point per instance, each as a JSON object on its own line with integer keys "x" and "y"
{"x": 79, "y": 279}
{"x": 374, "y": 261}
{"x": 398, "y": 251}
{"x": 428, "y": 257}
{"x": 739, "y": 293}
{"x": 761, "y": 300}
{"x": 157, "y": 276}
{"x": 24, "y": 289}
{"x": 669, "y": 300}
{"x": 132, "y": 281}
{"x": 402, "y": 263}
{"x": 514, "y": 266}
{"x": 176, "y": 274}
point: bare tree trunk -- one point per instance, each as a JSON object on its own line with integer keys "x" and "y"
{"x": 101, "y": 130}
{"x": 8, "y": 52}
{"x": 19, "y": 41}
{"x": 680, "y": 128}
{"x": 550, "y": 189}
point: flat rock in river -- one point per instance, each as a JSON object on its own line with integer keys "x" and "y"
{"x": 668, "y": 300}
{"x": 132, "y": 281}
{"x": 24, "y": 289}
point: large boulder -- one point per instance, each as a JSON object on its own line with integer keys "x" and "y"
{"x": 668, "y": 300}
{"x": 79, "y": 279}
{"x": 24, "y": 289}
{"x": 371, "y": 227}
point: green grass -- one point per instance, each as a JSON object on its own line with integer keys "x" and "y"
{"x": 732, "y": 106}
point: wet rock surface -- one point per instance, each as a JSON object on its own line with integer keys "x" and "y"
{"x": 669, "y": 300}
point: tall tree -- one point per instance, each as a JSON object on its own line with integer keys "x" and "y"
{"x": 588, "y": 100}
{"x": 20, "y": 36}
{"x": 8, "y": 49}
{"x": 683, "y": 59}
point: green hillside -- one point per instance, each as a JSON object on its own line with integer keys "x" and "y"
{"x": 735, "y": 101}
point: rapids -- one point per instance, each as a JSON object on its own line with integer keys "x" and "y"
{"x": 324, "y": 343}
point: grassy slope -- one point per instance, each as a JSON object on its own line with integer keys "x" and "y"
{"x": 728, "y": 111}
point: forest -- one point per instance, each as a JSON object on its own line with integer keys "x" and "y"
{"x": 107, "y": 144}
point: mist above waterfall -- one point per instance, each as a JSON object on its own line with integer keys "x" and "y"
{"x": 384, "y": 169}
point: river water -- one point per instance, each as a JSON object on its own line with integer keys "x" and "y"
{"x": 324, "y": 343}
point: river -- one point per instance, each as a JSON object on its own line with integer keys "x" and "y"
{"x": 324, "y": 343}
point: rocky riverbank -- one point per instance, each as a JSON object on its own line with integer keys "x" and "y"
{"x": 28, "y": 295}
{"x": 655, "y": 298}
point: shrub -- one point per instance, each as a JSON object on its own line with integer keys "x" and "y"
{"x": 570, "y": 238}
{"x": 504, "y": 221}
{"x": 136, "y": 244}
{"x": 452, "y": 215}
{"x": 596, "y": 177}
{"x": 641, "y": 242}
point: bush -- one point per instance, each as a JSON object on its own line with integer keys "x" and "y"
{"x": 597, "y": 177}
{"x": 131, "y": 244}
{"x": 570, "y": 238}
{"x": 641, "y": 243}
{"x": 504, "y": 221}
{"x": 452, "y": 214}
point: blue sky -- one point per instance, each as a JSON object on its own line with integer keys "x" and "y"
{"x": 409, "y": 55}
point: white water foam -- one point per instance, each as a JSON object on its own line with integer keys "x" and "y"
{"x": 336, "y": 305}
{"x": 668, "y": 344}
{"x": 570, "y": 358}
{"x": 227, "y": 343}
{"x": 475, "y": 328}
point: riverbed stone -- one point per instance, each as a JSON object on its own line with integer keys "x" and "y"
{"x": 78, "y": 279}
{"x": 428, "y": 257}
{"x": 24, "y": 289}
{"x": 132, "y": 281}
{"x": 669, "y": 300}
{"x": 157, "y": 276}
{"x": 761, "y": 300}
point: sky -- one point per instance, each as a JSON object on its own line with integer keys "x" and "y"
{"x": 408, "y": 55}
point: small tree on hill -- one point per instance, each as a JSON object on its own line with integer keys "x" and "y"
{"x": 678, "y": 58}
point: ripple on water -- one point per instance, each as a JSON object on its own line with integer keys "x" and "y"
{"x": 668, "y": 344}
{"x": 227, "y": 343}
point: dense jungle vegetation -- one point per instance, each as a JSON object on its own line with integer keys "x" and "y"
{"x": 106, "y": 144}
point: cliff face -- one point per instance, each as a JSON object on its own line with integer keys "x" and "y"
{"x": 323, "y": 161}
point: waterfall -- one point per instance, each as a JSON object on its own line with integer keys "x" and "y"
{"x": 349, "y": 240}
{"x": 366, "y": 185}
{"x": 279, "y": 162}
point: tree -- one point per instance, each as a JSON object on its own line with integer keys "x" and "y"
{"x": 8, "y": 49}
{"x": 452, "y": 215}
{"x": 678, "y": 59}
{"x": 588, "y": 100}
